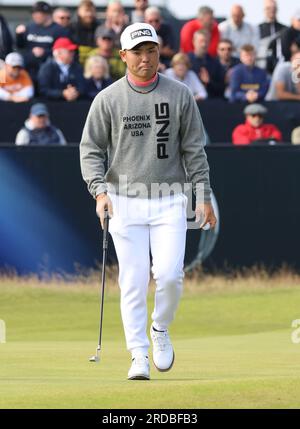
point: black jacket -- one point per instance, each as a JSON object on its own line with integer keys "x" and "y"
{"x": 83, "y": 35}
{"x": 38, "y": 36}
{"x": 52, "y": 83}
{"x": 6, "y": 41}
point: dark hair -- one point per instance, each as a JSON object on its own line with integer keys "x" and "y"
{"x": 228, "y": 41}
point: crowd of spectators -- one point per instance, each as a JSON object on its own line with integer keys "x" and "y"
{"x": 63, "y": 56}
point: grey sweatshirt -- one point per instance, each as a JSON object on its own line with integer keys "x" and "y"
{"x": 151, "y": 139}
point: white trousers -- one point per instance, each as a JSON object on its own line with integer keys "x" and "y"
{"x": 137, "y": 227}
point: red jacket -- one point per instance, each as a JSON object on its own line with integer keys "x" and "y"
{"x": 187, "y": 32}
{"x": 244, "y": 134}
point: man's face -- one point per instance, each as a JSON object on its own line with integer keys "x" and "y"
{"x": 142, "y": 61}
{"x": 255, "y": 120}
{"x": 105, "y": 43}
{"x": 65, "y": 56}
{"x": 115, "y": 13}
{"x": 296, "y": 24}
{"x": 62, "y": 18}
{"x": 237, "y": 15}
{"x": 247, "y": 58}
{"x": 270, "y": 11}
{"x": 200, "y": 44}
{"x": 295, "y": 60}
{"x": 141, "y": 4}
{"x": 154, "y": 19}
{"x": 87, "y": 15}
{"x": 39, "y": 121}
{"x": 206, "y": 20}
{"x": 13, "y": 71}
{"x": 40, "y": 18}
{"x": 224, "y": 51}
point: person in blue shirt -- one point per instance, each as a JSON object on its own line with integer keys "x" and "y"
{"x": 208, "y": 69}
{"x": 248, "y": 82}
{"x": 61, "y": 77}
{"x": 37, "y": 38}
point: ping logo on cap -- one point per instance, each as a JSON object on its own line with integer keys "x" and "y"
{"x": 141, "y": 33}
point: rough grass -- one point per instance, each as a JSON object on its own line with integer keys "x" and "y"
{"x": 232, "y": 337}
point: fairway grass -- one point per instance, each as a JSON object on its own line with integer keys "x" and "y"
{"x": 233, "y": 348}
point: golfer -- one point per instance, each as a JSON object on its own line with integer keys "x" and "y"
{"x": 151, "y": 129}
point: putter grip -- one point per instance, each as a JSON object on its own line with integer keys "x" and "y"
{"x": 105, "y": 230}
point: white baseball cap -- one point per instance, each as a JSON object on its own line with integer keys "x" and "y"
{"x": 14, "y": 59}
{"x": 137, "y": 33}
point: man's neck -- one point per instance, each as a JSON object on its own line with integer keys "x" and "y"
{"x": 142, "y": 83}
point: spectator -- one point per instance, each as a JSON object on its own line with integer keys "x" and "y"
{"x": 83, "y": 29}
{"x": 295, "y": 136}
{"x": 205, "y": 21}
{"x": 207, "y": 68}
{"x": 285, "y": 80}
{"x": 97, "y": 74}
{"x": 227, "y": 61}
{"x": 181, "y": 71}
{"x": 254, "y": 129}
{"x": 164, "y": 31}
{"x": 6, "y": 42}
{"x": 137, "y": 15}
{"x": 61, "y": 77}
{"x": 15, "y": 82}
{"x": 62, "y": 17}
{"x": 38, "y": 129}
{"x": 239, "y": 31}
{"x": 269, "y": 31}
{"x": 37, "y": 38}
{"x": 105, "y": 48}
{"x": 247, "y": 81}
{"x": 289, "y": 35}
{"x": 225, "y": 57}
{"x": 116, "y": 20}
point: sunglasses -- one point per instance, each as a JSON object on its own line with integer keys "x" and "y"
{"x": 67, "y": 18}
{"x": 154, "y": 20}
{"x": 257, "y": 115}
{"x": 225, "y": 49}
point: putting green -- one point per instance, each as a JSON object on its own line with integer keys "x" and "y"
{"x": 233, "y": 350}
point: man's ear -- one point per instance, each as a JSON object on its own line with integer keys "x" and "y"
{"x": 122, "y": 54}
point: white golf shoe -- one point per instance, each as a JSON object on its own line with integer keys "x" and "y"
{"x": 140, "y": 368}
{"x": 163, "y": 353}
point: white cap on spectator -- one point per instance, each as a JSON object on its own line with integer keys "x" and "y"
{"x": 14, "y": 59}
{"x": 137, "y": 33}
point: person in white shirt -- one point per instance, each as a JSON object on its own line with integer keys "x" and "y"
{"x": 239, "y": 31}
{"x": 180, "y": 71}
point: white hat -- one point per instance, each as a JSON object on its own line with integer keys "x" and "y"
{"x": 137, "y": 33}
{"x": 14, "y": 59}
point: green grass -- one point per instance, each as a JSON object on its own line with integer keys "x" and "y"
{"x": 232, "y": 341}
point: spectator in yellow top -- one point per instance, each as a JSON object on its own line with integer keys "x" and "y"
{"x": 15, "y": 83}
{"x": 105, "y": 39}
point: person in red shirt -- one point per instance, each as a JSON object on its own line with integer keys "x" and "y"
{"x": 204, "y": 21}
{"x": 254, "y": 128}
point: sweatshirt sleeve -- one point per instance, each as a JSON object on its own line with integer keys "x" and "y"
{"x": 192, "y": 148}
{"x": 93, "y": 146}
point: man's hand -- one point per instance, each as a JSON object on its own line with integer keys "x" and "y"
{"x": 70, "y": 93}
{"x": 205, "y": 214}
{"x": 103, "y": 201}
{"x": 251, "y": 96}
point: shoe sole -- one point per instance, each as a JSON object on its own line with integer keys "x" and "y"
{"x": 139, "y": 377}
{"x": 167, "y": 369}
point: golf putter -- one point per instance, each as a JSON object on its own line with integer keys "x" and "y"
{"x": 96, "y": 358}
